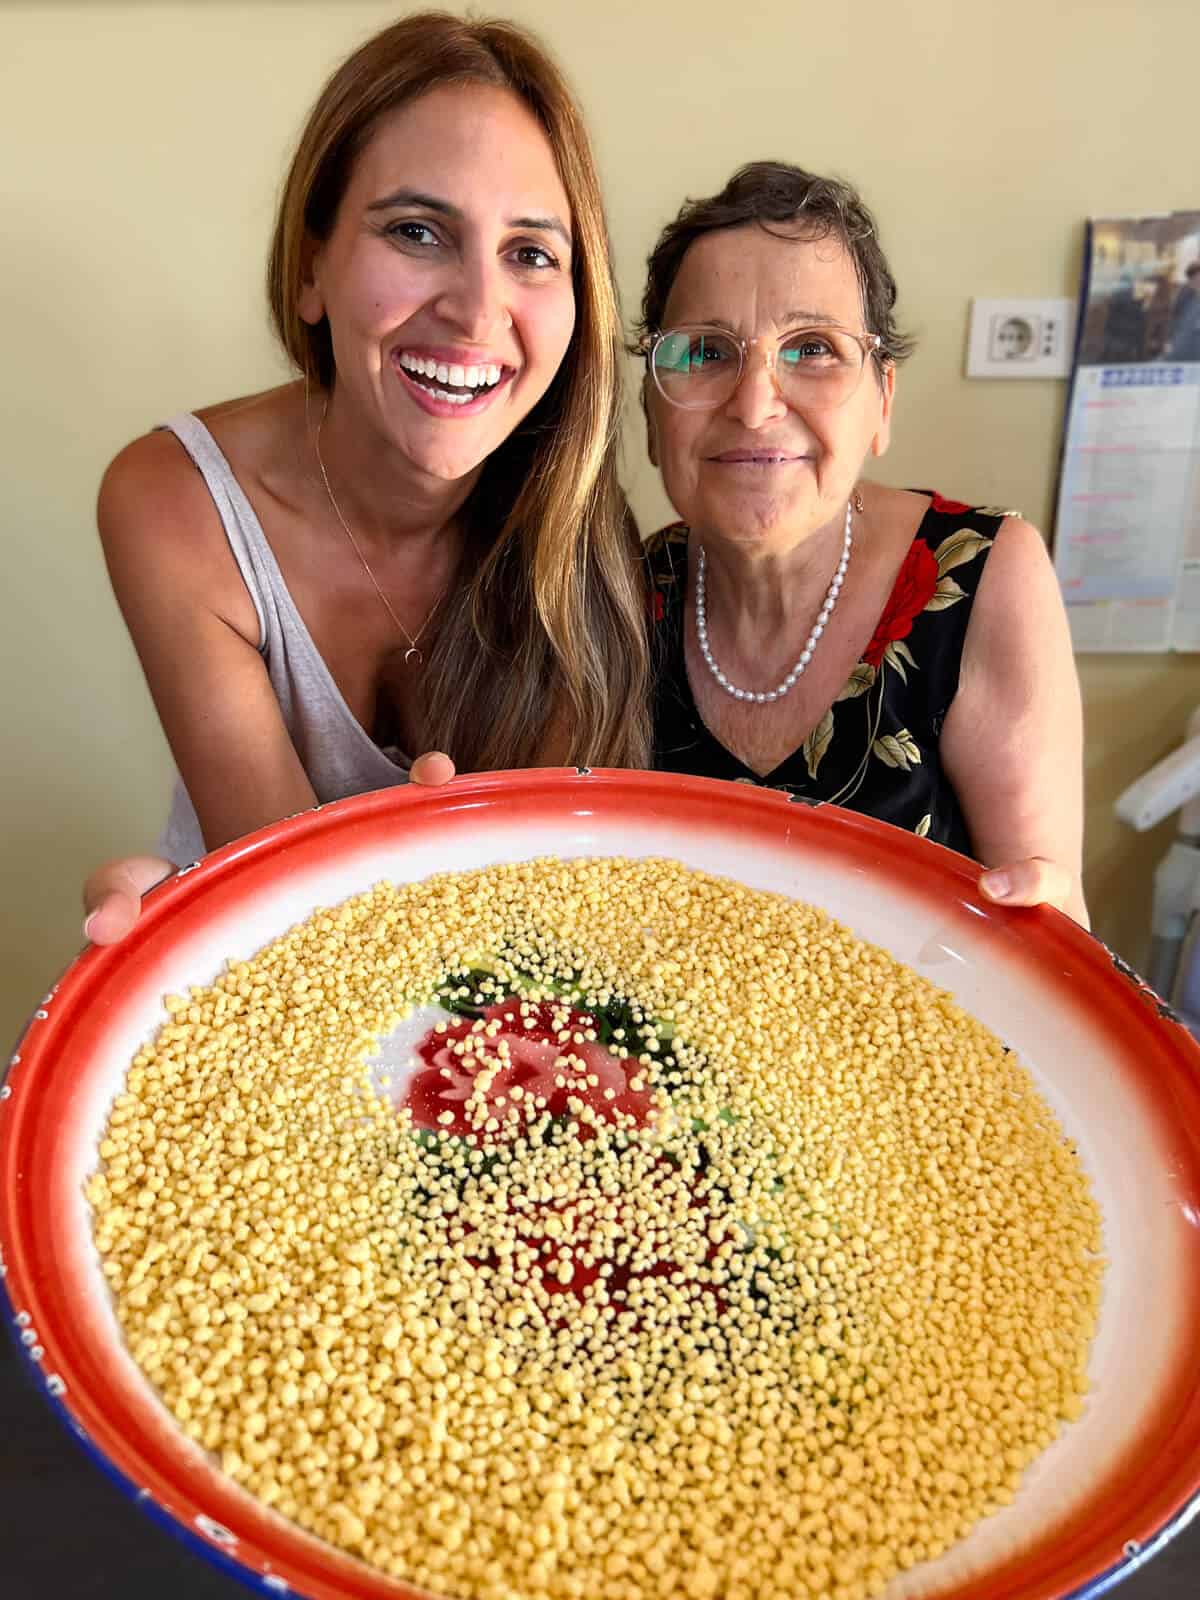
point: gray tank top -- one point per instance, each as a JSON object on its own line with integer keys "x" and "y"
{"x": 337, "y": 753}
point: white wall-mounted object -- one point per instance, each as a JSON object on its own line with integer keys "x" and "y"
{"x": 1173, "y": 785}
{"x": 1021, "y": 338}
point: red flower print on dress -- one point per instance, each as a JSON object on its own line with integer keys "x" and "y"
{"x": 911, "y": 593}
{"x": 525, "y": 1051}
{"x": 952, "y": 508}
{"x": 657, "y": 605}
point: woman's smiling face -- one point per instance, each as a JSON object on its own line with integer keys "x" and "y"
{"x": 447, "y": 277}
{"x": 759, "y": 470}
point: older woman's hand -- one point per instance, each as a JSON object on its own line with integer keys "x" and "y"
{"x": 112, "y": 895}
{"x": 1035, "y": 882}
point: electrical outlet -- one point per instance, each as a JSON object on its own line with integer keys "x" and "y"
{"x": 1021, "y": 339}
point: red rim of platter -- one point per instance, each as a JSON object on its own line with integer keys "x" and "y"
{"x": 1140, "y": 1502}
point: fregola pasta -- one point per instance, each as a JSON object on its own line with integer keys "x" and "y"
{"x": 709, "y": 1251}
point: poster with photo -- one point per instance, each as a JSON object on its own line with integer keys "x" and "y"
{"x": 1127, "y": 535}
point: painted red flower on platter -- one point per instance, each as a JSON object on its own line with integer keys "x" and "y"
{"x": 538, "y": 1051}
{"x": 596, "y": 1255}
{"x": 524, "y": 1053}
{"x": 913, "y": 589}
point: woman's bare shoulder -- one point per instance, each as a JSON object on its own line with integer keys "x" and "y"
{"x": 898, "y": 512}
{"x": 258, "y": 427}
{"x": 151, "y": 487}
{"x": 154, "y": 486}
{"x": 883, "y": 499}
{"x": 163, "y": 541}
{"x": 890, "y": 520}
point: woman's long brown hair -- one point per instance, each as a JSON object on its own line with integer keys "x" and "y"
{"x": 542, "y": 647}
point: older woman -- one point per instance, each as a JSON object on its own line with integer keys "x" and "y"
{"x": 898, "y": 653}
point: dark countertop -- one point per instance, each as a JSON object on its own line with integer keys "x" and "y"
{"x": 68, "y": 1533}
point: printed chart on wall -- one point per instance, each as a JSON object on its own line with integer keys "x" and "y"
{"x": 1127, "y": 541}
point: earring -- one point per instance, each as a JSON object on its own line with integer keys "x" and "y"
{"x": 856, "y": 500}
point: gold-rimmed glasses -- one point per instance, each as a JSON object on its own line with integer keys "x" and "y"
{"x": 699, "y": 367}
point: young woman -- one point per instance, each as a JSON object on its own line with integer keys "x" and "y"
{"x": 420, "y": 541}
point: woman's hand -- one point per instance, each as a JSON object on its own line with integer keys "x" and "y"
{"x": 1035, "y": 882}
{"x": 432, "y": 769}
{"x": 112, "y": 896}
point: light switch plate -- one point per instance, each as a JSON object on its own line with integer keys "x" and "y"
{"x": 1021, "y": 339}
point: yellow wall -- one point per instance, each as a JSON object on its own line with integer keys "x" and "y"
{"x": 140, "y": 148}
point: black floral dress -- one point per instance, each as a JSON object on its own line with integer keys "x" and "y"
{"x": 876, "y": 749}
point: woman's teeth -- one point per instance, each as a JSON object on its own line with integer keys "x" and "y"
{"x": 456, "y": 384}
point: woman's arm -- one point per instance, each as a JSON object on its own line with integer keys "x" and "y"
{"x": 196, "y": 632}
{"x": 1012, "y": 744}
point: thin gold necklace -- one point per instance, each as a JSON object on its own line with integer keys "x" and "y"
{"x": 412, "y": 656}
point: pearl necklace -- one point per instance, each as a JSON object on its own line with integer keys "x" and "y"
{"x": 810, "y": 644}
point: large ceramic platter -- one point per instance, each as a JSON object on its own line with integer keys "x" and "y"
{"x": 1122, "y": 1074}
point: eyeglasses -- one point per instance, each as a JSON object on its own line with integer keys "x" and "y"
{"x": 700, "y": 367}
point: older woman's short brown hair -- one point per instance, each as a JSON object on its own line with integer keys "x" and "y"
{"x": 791, "y": 203}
